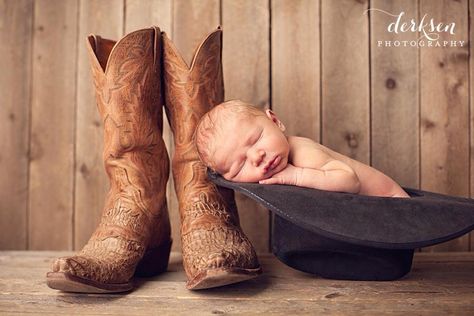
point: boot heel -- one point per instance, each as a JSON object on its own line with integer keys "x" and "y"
{"x": 154, "y": 261}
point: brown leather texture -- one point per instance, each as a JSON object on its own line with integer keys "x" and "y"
{"x": 210, "y": 231}
{"x": 127, "y": 78}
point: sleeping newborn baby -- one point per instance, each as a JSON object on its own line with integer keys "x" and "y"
{"x": 246, "y": 144}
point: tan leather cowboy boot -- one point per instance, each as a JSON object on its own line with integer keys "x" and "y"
{"x": 134, "y": 228}
{"x": 215, "y": 250}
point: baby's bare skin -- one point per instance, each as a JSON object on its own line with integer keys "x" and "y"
{"x": 256, "y": 149}
{"x": 305, "y": 153}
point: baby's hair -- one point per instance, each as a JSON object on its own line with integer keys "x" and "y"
{"x": 211, "y": 124}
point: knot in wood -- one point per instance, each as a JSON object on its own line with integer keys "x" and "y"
{"x": 351, "y": 139}
{"x": 390, "y": 83}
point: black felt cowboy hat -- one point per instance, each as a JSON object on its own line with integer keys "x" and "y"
{"x": 356, "y": 237}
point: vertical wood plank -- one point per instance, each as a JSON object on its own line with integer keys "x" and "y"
{"x": 192, "y": 21}
{"x": 246, "y": 64}
{"x": 345, "y": 78}
{"x": 295, "y": 68}
{"x": 16, "y": 18}
{"x": 52, "y": 125}
{"x": 471, "y": 97}
{"x": 141, "y": 14}
{"x": 444, "y": 110}
{"x": 104, "y": 18}
{"x": 145, "y": 13}
{"x": 394, "y": 90}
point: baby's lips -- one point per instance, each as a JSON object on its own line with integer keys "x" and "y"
{"x": 275, "y": 162}
{"x": 272, "y": 165}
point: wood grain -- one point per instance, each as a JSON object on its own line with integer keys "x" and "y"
{"x": 316, "y": 57}
{"x": 104, "y": 18}
{"x": 471, "y": 97}
{"x": 246, "y": 66}
{"x": 444, "y": 110}
{"x": 52, "y": 125}
{"x": 439, "y": 283}
{"x": 192, "y": 21}
{"x": 394, "y": 95}
{"x": 145, "y": 13}
{"x": 16, "y": 28}
{"x": 296, "y": 66}
{"x": 345, "y": 78}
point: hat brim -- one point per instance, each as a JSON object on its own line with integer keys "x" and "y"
{"x": 424, "y": 219}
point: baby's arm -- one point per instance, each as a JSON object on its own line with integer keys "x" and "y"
{"x": 334, "y": 175}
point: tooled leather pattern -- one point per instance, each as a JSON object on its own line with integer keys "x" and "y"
{"x": 136, "y": 161}
{"x": 210, "y": 232}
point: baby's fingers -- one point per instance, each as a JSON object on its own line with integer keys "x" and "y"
{"x": 269, "y": 181}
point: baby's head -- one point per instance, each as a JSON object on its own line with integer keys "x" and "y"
{"x": 242, "y": 142}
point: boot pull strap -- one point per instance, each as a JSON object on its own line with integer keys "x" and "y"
{"x": 156, "y": 45}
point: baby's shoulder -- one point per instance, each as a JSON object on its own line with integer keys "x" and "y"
{"x": 305, "y": 152}
{"x": 300, "y": 141}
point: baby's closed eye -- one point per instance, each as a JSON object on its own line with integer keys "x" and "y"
{"x": 256, "y": 137}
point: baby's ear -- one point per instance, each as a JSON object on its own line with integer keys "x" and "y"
{"x": 272, "y": 116}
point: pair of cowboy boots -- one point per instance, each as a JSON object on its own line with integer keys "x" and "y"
{"x": 133, "y": 237}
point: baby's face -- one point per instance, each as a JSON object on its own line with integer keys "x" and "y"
{"x": 251, "y": 150}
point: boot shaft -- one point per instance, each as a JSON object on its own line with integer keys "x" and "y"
{"x": 215, "y": 250}
{"x": 190, "y": 92}
{"x": 128, "y": 92}
{"x": 128, "y": 89}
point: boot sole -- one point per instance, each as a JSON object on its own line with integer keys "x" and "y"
{"x": 70, "y": 283}
{"x": 154, "y": 262}
{"x": 220, "y": 277}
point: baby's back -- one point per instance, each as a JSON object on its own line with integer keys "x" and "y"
{"x": 304, "y": 152}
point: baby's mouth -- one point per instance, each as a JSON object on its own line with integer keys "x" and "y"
{"x": 272, "y": 164}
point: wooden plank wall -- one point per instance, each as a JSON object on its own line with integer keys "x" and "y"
{"x": 407, "y": 111}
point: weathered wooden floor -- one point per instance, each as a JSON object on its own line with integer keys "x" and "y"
{"x": 439, "y": 283}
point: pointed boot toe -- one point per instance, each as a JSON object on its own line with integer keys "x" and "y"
{"x": 81, "y": 275}
{"x": 221, "y": 264}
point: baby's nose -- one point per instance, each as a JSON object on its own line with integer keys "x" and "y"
{"x": 258, "y": 158}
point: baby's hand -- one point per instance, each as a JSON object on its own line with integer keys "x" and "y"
{"x": 288, "y": 176}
